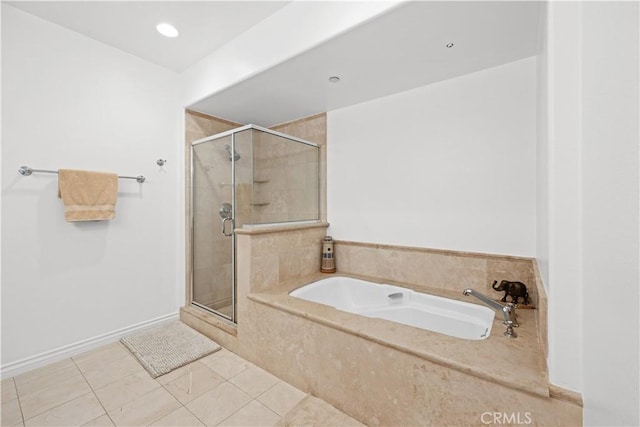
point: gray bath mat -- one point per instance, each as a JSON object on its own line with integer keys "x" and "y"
{"x": 168, "y": 347}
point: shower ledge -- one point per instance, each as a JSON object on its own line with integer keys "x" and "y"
{"x": 279, "y": 226}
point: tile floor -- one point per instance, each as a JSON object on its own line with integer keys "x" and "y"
{"x": 107, "y": 386}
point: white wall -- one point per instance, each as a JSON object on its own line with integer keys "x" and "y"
{"x": 590, "y": 98}
{"x": 449, "y": 165}
{"x": 564, "y": 196}
{"x": 71, "y": 102}
{"x": 542, "y": 151}
{"x": 610, "y": 219}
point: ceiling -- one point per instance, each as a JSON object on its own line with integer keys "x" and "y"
{"x": 131, "y": 25}
{"x": 402, "y": 49}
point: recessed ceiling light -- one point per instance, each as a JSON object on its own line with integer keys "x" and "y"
{"x": 334, "y": 79}
{"x": 167, "y": 30}
{"x": 450, "y": 45}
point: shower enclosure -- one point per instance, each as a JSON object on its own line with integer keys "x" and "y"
{"x": 239, "y": 178}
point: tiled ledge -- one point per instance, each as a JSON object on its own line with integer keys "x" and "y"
{"x": 267, "y": 229}
{"x": 434, "y": 251}
{"x": 514, "y": 363}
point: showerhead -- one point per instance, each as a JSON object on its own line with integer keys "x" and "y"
{"x": 234, "y": 155}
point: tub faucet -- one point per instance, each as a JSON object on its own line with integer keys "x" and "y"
{"x": 508, "y": 311}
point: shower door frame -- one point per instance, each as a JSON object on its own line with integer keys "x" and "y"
{"x": 219, "y": 135}
{"x": 233, "y": 236}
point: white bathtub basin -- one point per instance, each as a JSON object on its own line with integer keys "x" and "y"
{"x": 443, "y": 315}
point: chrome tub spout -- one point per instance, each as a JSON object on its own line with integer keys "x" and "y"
{"x": 508, "y": 311}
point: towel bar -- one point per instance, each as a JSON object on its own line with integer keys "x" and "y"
{"x": 26, "y": 171}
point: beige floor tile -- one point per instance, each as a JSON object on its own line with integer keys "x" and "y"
{"x": 180, "y": 417}
{"x": 105, "y": 353}
{"x": 101, "y": 421}
{"x": 316, "y": 412}
{"x": 45, "y": 379}
{"x": 219, "y": 403}
{"x": 254, "y": 381}
{"x": 102, "y": 372}
{"x": 65, "y": 390}
{"x": 8, "y": 387}
{"x": 11, "y": 413}
{"x": 197, "y": 380}
{"x": 59, "y": 394}
{"x": 253, "y": 414}
{"x": 125, "y": 390}
{"x": 102, "y": 356}
{"x": 73, "y": 413}
{"x": 225, "y": 363}
{"x": 281, "y": 398}
{"x": 45, "y": 371}
{"x": 146, "y": 409}
{"x": 176, "y": 373}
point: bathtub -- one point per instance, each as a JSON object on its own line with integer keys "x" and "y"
{"x": 401, "y": 305}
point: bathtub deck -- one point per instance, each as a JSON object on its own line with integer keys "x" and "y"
{"x": 515, "y": 363}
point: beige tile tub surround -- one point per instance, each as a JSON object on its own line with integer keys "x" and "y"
{"x": 390, "y": 374}
{"x": 379, "y": 372}
{"x": 521, "y": 366}
{"x": 278, "y": 258}
{"x": 435, "y": 269}
{"x": 384, "y": 373}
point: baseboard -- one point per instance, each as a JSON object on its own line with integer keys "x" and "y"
{"x": 566, "y": 395}
{"x": 15, "y": 368}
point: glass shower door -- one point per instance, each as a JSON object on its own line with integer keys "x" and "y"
{"x": 241, "y": 177}
{"x": 213, "y": 217}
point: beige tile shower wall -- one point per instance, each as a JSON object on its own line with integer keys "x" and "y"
{"x": 313, "y": 129}
{"x": 285, "y": 179}
{"x": 198, "y": 126}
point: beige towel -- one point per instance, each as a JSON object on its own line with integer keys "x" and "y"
{"x": 87, "y": 196}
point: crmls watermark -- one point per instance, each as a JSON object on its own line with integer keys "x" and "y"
{"x": 509, "y": 418}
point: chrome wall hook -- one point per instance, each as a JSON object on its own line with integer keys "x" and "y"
{"x": 161, "y": 162}
{"x": 25, "y": 170}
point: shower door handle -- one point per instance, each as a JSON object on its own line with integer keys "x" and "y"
{"x": 233, "y": 225}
